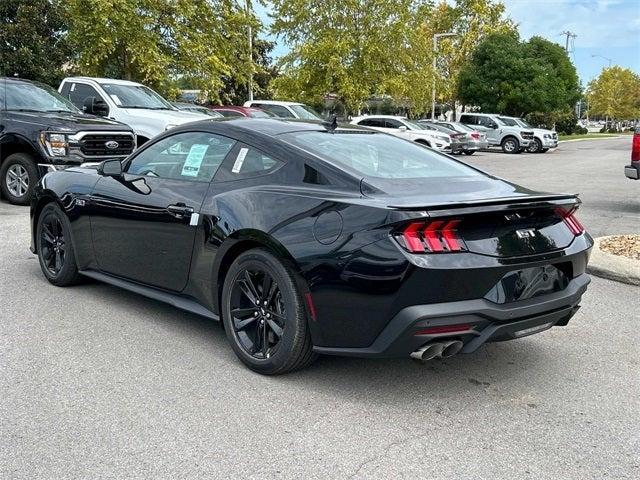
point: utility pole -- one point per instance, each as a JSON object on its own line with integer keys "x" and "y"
{"x": 569, "y": 35}
{"x": 250, "y": 34}
{"x": 433, "y": 87}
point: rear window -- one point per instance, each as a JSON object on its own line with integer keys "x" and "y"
{"x": 378, "y": 155}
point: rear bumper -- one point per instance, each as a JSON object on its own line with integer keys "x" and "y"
{"x": 632, "y": 171}
{"x": 488, "y": 322}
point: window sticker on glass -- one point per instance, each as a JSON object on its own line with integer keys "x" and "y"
{"x": 116, "y": 99}
{"x": 237, "y": 166}
{"x": 73, "y": 87}
{"x": 192, "y": 164}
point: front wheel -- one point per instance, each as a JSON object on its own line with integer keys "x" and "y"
{"x": 510, "y": 145}
{"x": 55, "y": 250}
{"x": 18, "y": 176}
{"x": 535, "y": 146}
{"x": 264, "y": 314}
{"x": 469, "y": 152}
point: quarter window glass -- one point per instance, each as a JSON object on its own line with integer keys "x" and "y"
{"x": 250, "y": 160}
{"x": 194, "y": 156}
{"x": 390, "y": 123}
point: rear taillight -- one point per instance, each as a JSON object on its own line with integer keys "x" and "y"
{"x": 475, "y": 136}
{"x": 635, "y": 148}
{"x": 436, "y": 236}
{"x": 571, "y": 221}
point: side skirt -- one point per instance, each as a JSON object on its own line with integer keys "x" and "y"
{"x": 178, "y": 301}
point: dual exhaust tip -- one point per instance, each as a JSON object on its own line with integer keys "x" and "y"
{"x": 437, "y": 349}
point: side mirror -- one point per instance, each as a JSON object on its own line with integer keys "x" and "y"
{"x": 95, "y": 106}
{"x": 110, "y": 168}
{"x": 402, "y": 128}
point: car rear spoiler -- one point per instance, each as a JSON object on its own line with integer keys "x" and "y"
{"x": 491, "y": 205}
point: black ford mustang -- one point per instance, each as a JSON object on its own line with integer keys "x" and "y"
{"x": 304, "y": 238}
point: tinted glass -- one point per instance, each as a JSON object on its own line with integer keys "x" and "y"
{"x": 277, "y": 110}
{"x": 391, "y": 123}
{"x": 135, "y": 96}
{"x": 306, "y": 113}
{"x": 260, "y": 114}
{"x": 34, "y": 97}
{"x": 469, "y": 119}
{"x": 79, "y": 92}
{"x": 250, "y": 161}
{"x": 193, "y": 156}
{"x": 371, "y": 122}
{"x": 509, "y": 122}
{"x": 230, "y": 113}
{"x": 377, "y": 155}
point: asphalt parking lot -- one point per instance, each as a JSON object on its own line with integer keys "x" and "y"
{"x": 100, "y": 383}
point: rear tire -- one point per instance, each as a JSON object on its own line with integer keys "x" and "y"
{"x": 55, "y": 248}
{"x": 510, "y": 145}
{"x": 469, "y": 152}
{"x": 18, "y": 178}
{"x": 270, "y": 338}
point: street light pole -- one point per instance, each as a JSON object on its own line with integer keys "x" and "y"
{"x": 250, "y": 33}
{"x": 433, "y": 86}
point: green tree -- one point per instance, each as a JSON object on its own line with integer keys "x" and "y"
{"x": 158, "y": 41}
{"x": 615, "y": 93}
{"x": 513, "y": 77}
{"x": 33, "y": 40}
{"x": 472, "y": 21}
{"x": 351, "y": 48}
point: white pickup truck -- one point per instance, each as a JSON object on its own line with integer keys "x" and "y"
{"x": 134, "y": 104}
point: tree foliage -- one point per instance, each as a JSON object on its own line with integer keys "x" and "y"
{"x": 508, "y": 76}
{"x": 157, "y": 41}
{"x": 615, "y": 93}
{"x": 33, "y": 40}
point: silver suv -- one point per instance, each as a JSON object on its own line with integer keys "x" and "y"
{"x": 500, "y": 131}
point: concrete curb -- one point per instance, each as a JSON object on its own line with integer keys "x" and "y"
{"x": 613, "y": 267}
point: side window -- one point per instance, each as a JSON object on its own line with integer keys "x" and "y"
{"x": 194, "y": 156}
{"x": 468, "y": 119}
{"x": 247, "y": 161}
{"x": 391, "y": 123}
{"x": 371, "y": 122}
{"x": 66, "y": 88}
{"x": 78, "y": 92}
{"x": 229, "y": 113}
{"x": 277, "y": 110}
{"x": 487, "y": 122}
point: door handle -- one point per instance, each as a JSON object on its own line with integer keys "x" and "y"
{"x": 180, "y": 210}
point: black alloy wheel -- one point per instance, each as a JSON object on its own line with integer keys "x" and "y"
{"x": 257, "y": 312}
{"x": 264, "y": 314}
{"x": 55, "y": 250}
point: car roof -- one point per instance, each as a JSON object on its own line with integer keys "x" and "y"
{"x": 397, "y": 117}
{"x": 275, "y": 102}
{"x": 102, "y": 80}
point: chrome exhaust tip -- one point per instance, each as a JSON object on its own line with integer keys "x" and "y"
{"x": 451, "y": 348}
{"x": 428, "y": 352}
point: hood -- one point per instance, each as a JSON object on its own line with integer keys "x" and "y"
{"x": 542, "y": 131}
{"x": 66, "y": 121}
{"x": 170, "y": 117}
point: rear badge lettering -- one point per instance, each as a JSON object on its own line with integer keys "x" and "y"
{"x": 526, "y": 233}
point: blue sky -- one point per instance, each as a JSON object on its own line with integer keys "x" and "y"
{"x": 610, "y": 28}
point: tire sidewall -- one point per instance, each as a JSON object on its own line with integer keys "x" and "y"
{"x": 511, "y": 140}
{"x": 69, "y": 271}
{"x": 535, "y": 147}
{"x": 29, "y": 165}
{"x": 293, "y": 303}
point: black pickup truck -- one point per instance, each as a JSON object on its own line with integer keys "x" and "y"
{"x": 41, "y": 131}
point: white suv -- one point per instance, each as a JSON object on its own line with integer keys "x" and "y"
{"x": 146, "y": 112}
{"x": 404, "y": 128}
{"x": 543, "y": 139}
{"x": 285, "y": 109}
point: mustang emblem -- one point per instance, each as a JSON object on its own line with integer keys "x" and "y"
{"x": 112, "y": 144}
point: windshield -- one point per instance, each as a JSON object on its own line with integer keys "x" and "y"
{"x": 304, "y": 112}
{"x": 378, "y": 155}
{"x": 509, "y": 122}
{"x": 522, "y": 123}
{"x": 33, "y": 97}
{"x": 135, "y": 96}
{"x": 460, "y": 127}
